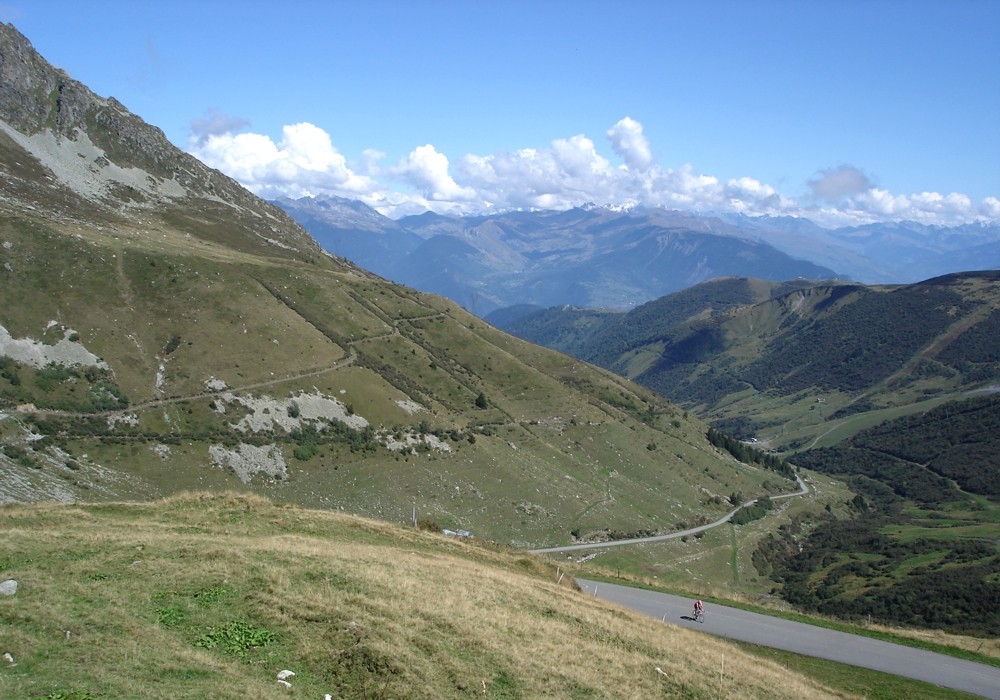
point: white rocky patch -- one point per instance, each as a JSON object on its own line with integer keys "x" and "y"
{"x": 267, "y": 414}
{"x": 162, "y": 451}
{"x": 408, "y": 442}
{"x": 85, "y": 168}
{"x": 126, "y": 418}
{"x": 66, "y": 352}
{"x": 410, "y": 407}
{"x": 436, "y": 443}
{"x": 213, "y": 384}
{"x": 289, "y": 414}
{"x": 280, "y": 244}
{"x": 247, "y": 461}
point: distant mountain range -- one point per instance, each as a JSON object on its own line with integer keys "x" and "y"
{"x": 617, "y": 258}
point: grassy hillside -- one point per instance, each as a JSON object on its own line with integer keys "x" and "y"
{"x": 162, "y": 329}
{"x": 788, "y": 364}
{"x": 211, "y": 596}
{"x": 320, "y": 384}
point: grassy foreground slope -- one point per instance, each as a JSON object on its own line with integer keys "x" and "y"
{"x": 211, "y": 596}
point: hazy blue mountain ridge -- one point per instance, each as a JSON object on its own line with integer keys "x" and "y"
{"x": 587, "y": 256}
{"x": 352, "y": 230}
{"x": 601, "y": 257}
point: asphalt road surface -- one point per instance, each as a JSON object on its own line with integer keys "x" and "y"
{"x": 801, "y": 638}
{"x": 803, "y": 490}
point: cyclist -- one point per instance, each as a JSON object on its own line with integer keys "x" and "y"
{"x": 699, "y": 610}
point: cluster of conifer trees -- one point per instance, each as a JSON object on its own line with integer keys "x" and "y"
{"x": 750, "y": 454}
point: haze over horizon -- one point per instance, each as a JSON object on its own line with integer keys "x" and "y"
{"x": 841, "y": 112}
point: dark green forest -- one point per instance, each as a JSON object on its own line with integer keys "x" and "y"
{"x": 925, "y": 457}
{"x": 850, "y": 569}
{"x": 862, "y": 344}
{"x": 915, "y": 551}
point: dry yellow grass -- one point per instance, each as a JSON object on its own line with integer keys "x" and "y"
{"x": 361, "y": 607}
{"x": 986, "y": 646}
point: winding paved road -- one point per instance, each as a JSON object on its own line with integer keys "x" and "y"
{"x": 798, "y": 637}
{"x": 803, "y": 490}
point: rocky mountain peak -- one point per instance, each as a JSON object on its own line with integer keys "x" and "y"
{"x": 30, "y": 89}
{"x": 73, "y": 150}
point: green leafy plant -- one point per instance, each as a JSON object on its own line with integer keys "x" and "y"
{"x": 211, "y": 596}
{"x": 171, "y": 616}
{"x": 71, "y": 695}
{"x": 238, "y": 638}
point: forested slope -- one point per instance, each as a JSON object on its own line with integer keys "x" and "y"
{"x": 921, "y": 548}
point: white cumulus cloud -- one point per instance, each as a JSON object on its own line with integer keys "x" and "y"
{"x": 629, "y": 142}
{"x": 990, "y": 208}
{"x": 565, "y": 173}
{"x": 427, "y": 170}
{"x": 304, "y": 162}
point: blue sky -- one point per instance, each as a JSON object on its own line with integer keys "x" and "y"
{"x": 841, "y": 110}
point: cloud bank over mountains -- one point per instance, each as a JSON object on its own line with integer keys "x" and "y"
{"x": 568, "y": 172}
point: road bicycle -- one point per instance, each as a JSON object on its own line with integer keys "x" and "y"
{"x": 699, "y": 616}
